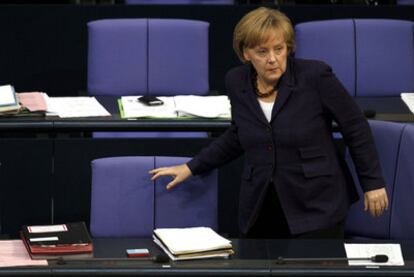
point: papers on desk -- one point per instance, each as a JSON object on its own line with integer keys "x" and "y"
{"x": 8, "y": 100}
{"x": 180, "y": 106}
{"x": 358, "y": 250}
{"x": 13, "y": 253}
{"x": 192, "y": 243}
{"x": 408, "y": 98}
{"x": 66, "y": 107}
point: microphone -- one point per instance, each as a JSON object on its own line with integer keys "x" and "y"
{"x": 376, "y": 259}
{"x": 370, "y": 113}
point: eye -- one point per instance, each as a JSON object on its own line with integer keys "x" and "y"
{"x": 261, "y": 52}
{"x": 279, "y": 49}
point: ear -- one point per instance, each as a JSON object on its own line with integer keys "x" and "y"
{"x": 246, "y": 54}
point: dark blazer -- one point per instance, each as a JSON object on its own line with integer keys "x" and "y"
{"x": 295, "y": 151}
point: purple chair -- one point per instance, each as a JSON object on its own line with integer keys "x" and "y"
{"x": 366, "y": 63}
{"x": 161, "y": 57}
{"x": 193, "y": 203}
{"x": 402, "y": 220}
{"x": 331, "y": 41}
{"x": 126, "y": 203}
{"x": 122, "y": 197}
{"x": 385, "y": 57}
{"x": 405, "y": 2}
{"x": 360, "y": 224}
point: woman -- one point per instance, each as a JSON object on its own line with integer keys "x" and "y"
{"x": 294, "y": 184}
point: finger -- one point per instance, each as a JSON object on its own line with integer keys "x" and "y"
{"x": 161, "y": 173}
{"x": 378, "y": 208}
{"x": 172, "y": 184}
{"x": 371, "y": 208}
{"x": 155, "y": 170}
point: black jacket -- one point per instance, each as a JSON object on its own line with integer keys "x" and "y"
{"x": 295, "y": 151}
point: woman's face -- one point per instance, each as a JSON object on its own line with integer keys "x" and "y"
{"x": 269, "y": 58}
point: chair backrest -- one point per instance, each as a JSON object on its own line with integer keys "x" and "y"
{"x": 402, "y": 219}
{"x": 405, "y": 2}
{"x": 161, "y": 57}
{"x": 331, "y": 41}
{"x": 191, "y": 204}
{"x": 372, "y": 57}
{"x": 126, "y": 203}
{"x": 148, "y": 56}
{"x": 360, "y": 224}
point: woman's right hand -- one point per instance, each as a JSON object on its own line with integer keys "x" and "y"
{"x": 180, "y": 173}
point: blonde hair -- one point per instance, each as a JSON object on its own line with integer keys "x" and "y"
{"x": 255, "y": 28}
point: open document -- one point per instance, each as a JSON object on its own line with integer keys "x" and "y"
{"x": 192, "y": 243}
{"x": 66, "y": 107}
{"x": 180, "y": 106}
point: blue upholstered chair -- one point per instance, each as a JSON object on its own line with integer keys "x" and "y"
{"x": 405, "y": 2}
{"x": 372, "y": 57}
{"x": 360, "y": 224}
{"x": 122, "y": 197}
{"x": 402, "y": 219}
{"x": 161, "y": 57}
{"x": 331, "y": 41}
{"x": 126, "y": 203}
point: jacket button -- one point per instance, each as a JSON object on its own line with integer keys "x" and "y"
{"x": 270, "y": 147}
{"x": 268, "y": 129}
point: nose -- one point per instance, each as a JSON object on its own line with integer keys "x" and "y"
{"x": 272, "y": 57}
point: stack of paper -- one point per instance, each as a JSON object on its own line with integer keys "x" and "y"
{"x": 203, "y": 106}
{"x": 192, "y": 243}
{"x": 177, "y": 107}
{"x": 9, "y": 103}
{"x": 408, "y": 98}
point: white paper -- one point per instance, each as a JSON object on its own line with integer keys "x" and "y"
{"x": 14, "y": 253}
{"x": 203, "y": 106}
{"x": 178, "y": 106}
{"x": 362, "y": 250}
{"x": 408, "y": 98}
{"x": 47, "y": 228}
{"x": 135, "y": 109}
{"x": 7, "y": 95}
{"x": 44, "y": 239}
{"x": 194, "y": 239}
{"x": 67, "y": 107}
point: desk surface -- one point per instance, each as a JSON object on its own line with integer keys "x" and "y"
{"x": 386, "y": 108}
{"x": 252, "y": 258}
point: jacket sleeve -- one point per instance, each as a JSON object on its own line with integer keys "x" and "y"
{"x": 354, "y": 128}
{"x": 223, "y": 149}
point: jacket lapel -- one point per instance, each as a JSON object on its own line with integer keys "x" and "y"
{"x": 285, "y": 88}
{"x": 249, "y": 97}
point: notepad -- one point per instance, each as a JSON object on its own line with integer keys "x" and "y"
{"x": 192, "y": 243}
